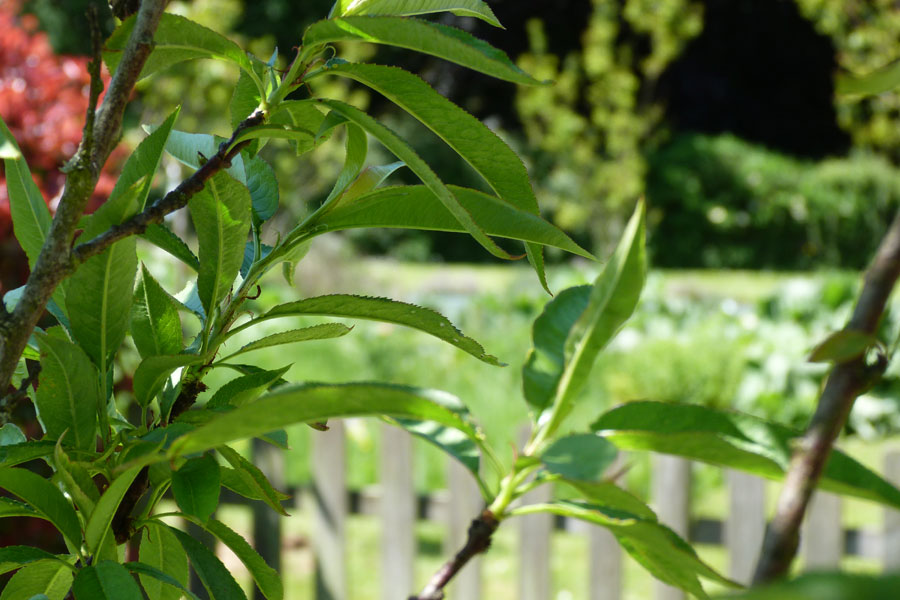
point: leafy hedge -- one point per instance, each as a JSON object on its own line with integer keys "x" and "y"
{"x": 724, "y": 203}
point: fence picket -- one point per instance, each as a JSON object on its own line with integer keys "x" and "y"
{"x": 746, "y": 524}
{"x": 329, "y": 512}
{"x": 890, "y": 548}
{"x": 821, "y": 538}
{"x": 534, "y": 548}
{"x": 398, "y": 513}
{"x": 672, "y": 502}
{"x": 465, "y": 504}
{"x": 605, "y": 570}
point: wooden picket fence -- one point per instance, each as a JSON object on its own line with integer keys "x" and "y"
{"x": 824, "y": 542}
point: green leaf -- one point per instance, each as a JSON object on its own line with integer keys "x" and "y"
{"x": 177, "y": 39}
{"x": 148, "y": 574}
{"x": 546, "y": 361}
{"x": 215, "y": 576}
{"x": 303, "y": 117}
{"x": 385, "y": 311}
{"x": 611, "y": 496}
{"x": 69, "y": 395}
{"x": 193, "y": 149}
{"x": 16, "y": 454}
{"x": 246, "y": 388}
{"x": 357, "y": 145}
{"x": 11, "y": 434}
{"x": 659, "y": 549}
{"x": 318, "y": 402}
{"x": 45, "y": 498}
{"x": 99, "y": 296}
{"x": 438, "y": 40}
{"x": 221, "y": 216}
{"x": 99, "y": 523}
{"x": 842, "y": 346}
{"x": 263, "y": 187}
{"x": 316, "y": 332}
{"x": 460, "y": 8}
{"x": 13, "y": 557}
{"x": 614, "y": 296}
{"x": 155, "y": 324}
{"x": 732, "y": 440}
{"x": 874, "y": 83}
{"x": 824, "y": 586}
{"x": 106, "y": 580}
{"x": 416, "y": 207}
{"x": 162, "y": 237}
{"x": 266, "y": 578}
{"x": 160, "y": 550}
{"x": 470, "y": 138}
{"x": 153, "y": 372}
{"x": 249, "y": 481}
{"x": 244, "y": 100}
{"x": 452, "y": 441}
{"x": 30, "y": 215}
{"x": 76, "y": 481}
{"x": 583, "y": 457}
{"x": 196, "y": 486}
{"x": 369, "y": 179}
{"x": 404, "y": 152}
{"x": 14, "y": 508}
{"x": 52, "y": 578}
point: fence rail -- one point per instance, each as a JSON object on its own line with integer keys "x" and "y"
{"x": 396, "y": 504}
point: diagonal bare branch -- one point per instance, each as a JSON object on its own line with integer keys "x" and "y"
{"x": 846, "y": 381}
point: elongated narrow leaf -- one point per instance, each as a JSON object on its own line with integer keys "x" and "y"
{"x": 221, "y": 216}
{"x": 13, "y": 557}
{"x": 613, "y": 298}
{"x": 215, "y": 576}
{"x": 546, "y": 361}
{"x": 874, "y": 83}
{"x": 452, "y": 441}
{"x": 162, "y": 237}
{"x": 98, "y": 524}
{"x": 416, "y": 207}
{"x": 404, "y": 152}
{"x": 160, "y": 550}
{"x": 155, "y": 324}
{"x": 11, "y": 434}
{"x": 177, "y": 39}
{"x": 196, "y": 486}
{"x": 76, "y": 481}
{"x": 193, "y": 149}
{"x": 106, "y": 580}
{"x": 51, "y": 578}
{"x": 266, "y": 578}
{"x": 470, "y": 138}
{"x": 319, "y": 402}
{"x": 152, "y": 373}
{"x": 583, "y": 457}
{"x": 263, "y": 188}
{"x": 610, "y": 496}
{"x": 45, "y": 498}
{"x": 354, "y": 160}
{"x": 438, "y": 40}
{"x": 172, "y": 590}
{"x": 244, "y": 100}
{"x": 246, "y": 388}
{"x": 824, "y": 586}
{"x": 733, "y": 440}
{"x": 13, "y": 508}
{"x": 98, "y": 300}
{"x": 462, "y": 8}
{"x": 656, "y": 547}
{"x": 30, "y": 215}
{"x": 842, "y": 346}
{"x": 69, "y": 394}
{"x": 316, "y": 332}
{"x": 385, "y": 311}
{"x": 250, "y": 480}
{"x": 16, "y": 454}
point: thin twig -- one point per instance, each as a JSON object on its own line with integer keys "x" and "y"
{"x": 846, "y": 381}
{"x": 479, "y": 539}
{"x": 100, "y": 136}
